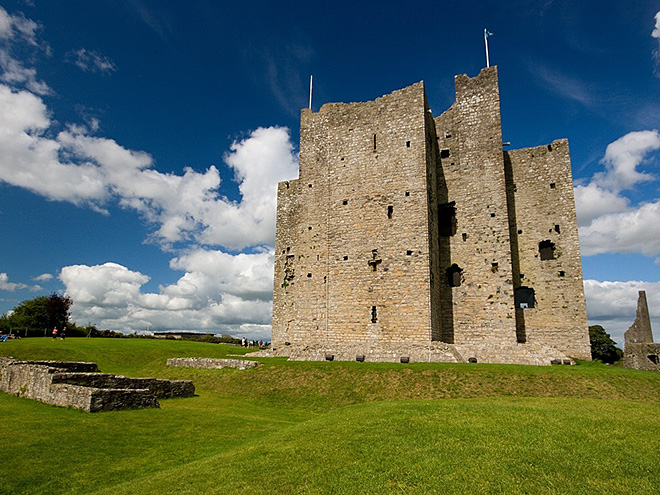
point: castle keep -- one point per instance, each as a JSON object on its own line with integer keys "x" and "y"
{"x": 414, "y": 238}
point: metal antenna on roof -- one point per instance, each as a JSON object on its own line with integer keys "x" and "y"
{"x": 310, "y": 92}
{"x": 487, "y": 34}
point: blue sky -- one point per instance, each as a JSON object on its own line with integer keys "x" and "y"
{"x": 141, "y": 141}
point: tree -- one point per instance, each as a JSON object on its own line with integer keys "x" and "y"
{"x": 603, "y": 347}
{"x": 57, "y": 308}
{"x": 37, "y": 316}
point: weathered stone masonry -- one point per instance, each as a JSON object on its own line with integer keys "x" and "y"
{"x": 419, "y": 237}
{"x": 81, "y": 386}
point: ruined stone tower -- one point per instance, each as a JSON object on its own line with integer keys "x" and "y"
{"x": 414, "y": 238}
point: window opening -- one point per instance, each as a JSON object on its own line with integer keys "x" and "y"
{"x": 310, "y": 185}
{"x": 562, "y": 273}
{"x": 557, "y": 229}
{"x": 494, "y": 266}
{"x": 549, "y": 147}
{"x": 552, "y": 185}
{"x": 519, "y": 231}
{"x": 492, "y": 215}
{"x": 524, "y": 297}
{"x": 309, "y": 275}
{"x": 390, "y": 210}
{"x": 654, "y": 358}
{"x": 309, "y": 228}
{"x": 345, "y": 202}
{"x": 447, "y": 222}
{"x": 374, "y": 142}
{"x": 345, "y": 258}
{"x": 374, "y": 314}
{"x": 407, "y": 193}
{"x": 454, "y": 275}
{"x": 444, "y": 153}
{"x": 464, "y": 236}
{"x": 407, "y": 144}
{"x": 547, "y": 250}
{"x": 409, "y": 252}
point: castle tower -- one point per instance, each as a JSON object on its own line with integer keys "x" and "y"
{"x": 401, "y": 236}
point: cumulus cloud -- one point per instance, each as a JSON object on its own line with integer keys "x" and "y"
{"x": 613, "y": 304}
{"x": 219, "y": 293}
{"x": 607, "y": 220}
{"x": 91, "y": 61}
{"x": 77, "y": 167}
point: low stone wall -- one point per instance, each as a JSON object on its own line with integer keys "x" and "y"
{"x": 642, "y": 356}
{"x": 61, "y": 384}
{"x": 434, "y": 352}
{"x": 210, "y": 363}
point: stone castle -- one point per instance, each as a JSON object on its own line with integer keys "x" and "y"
{"x": 412, "y": 238}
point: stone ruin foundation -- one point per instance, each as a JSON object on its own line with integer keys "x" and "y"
{"x": 81, "y": 385}
{"x": 211, "y": 363}
{"x": 639, "y": 350}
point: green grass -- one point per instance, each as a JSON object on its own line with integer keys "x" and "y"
{"x": 337, "y": 428}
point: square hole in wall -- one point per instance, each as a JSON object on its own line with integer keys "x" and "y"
{"x": 562, "y": 273}
{"x": 407, "y": 193}
{"x": 345, "y": 202}
{"x": 409, "y": 252}
{"x": 309, "y": 275}
{"x": 492, "y": 215}
{"x": 553, "y": 185}
{"x": 444, "y": 153}
{"x": 519, "y": 231}
{"x": 345, "y": 258}
{"x": 407, "y": 144}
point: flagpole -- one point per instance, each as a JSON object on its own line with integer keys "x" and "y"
{"x": 310, "y": 92}
{"x": 486, "y": 43}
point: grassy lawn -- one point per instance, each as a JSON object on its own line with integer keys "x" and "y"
{"x": 337, "y": 428}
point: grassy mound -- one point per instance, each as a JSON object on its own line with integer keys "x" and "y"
{"x": 337, "y": 428}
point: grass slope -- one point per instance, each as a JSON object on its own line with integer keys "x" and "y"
{"x": 337, "y": 428}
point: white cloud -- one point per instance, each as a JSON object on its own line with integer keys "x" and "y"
{"x": 83, "y": 169}
{"x": 219, "y": 293}
{"x": 17, "y": 30}
{"x": 6, "y": 285}
{"x": 592, "y": 201}
{"x": 607, "y": 220}
{"x": 623, "y": 156}
{"x": 613, "y": 305}
{"x": 91, "y": 61}
{"x": 44, "y": 277}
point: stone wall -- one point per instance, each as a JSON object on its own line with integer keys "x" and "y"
{"x": 210, "y": 363}
{"x": 542, "y": 210}
{"x": 61, "y": 384}
{"x": 642, "y": 356}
